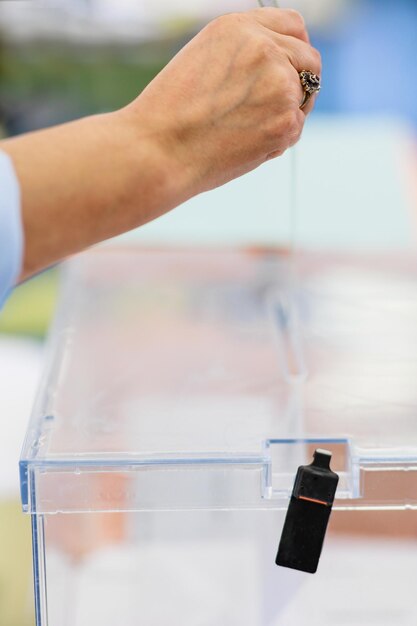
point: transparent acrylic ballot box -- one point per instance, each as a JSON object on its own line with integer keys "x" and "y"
{"x": 182, "y": 391}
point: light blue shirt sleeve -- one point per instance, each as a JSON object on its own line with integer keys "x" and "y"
{"x": 11, "y": 231}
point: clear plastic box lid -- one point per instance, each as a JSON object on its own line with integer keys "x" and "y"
{"x": 184, "y": 379}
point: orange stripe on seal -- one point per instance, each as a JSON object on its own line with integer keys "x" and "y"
{"x": 313, "y": 500}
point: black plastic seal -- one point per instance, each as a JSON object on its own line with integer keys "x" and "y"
{"x": 308, "y": 515}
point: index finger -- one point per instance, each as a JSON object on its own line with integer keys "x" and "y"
{"x": 282, "y": 21}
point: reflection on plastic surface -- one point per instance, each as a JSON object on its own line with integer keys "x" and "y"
{"x": 217, "y": 568}
{"x": 183, "y": 390}
{"x": 166, "y": 371}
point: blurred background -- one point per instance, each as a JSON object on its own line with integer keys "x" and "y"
{"x": 62, "y": 59}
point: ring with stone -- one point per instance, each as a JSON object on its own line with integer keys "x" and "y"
{"x": 310, "y": 83}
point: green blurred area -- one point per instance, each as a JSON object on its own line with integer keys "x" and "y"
{"x": 44, "y": 83}
{"x": 27, "y": 313}
{"x": 40, "y": 85}
{"x": 100, "y": 81}
{"x": 29, "y": 309}
{"x": 16, "y": 597}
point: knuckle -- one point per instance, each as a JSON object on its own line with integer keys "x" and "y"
{"x": 266, "y": 48}
{"x": 261, "y": 54}
{"x": 294, "y": 138}
{"x": 284, "y": 130}
{"x": 284, "y": 87}
{"x": 286, "y": 82}
{"x": 275, "y": 153}
{"x": 228, "y": 20}
{"x": 297, "y": 18}
{"x": 219, "y": 23}
{"x": 316, "y": 57}
{"x": 290, "y": 125}
{"x": 289, "y": 128}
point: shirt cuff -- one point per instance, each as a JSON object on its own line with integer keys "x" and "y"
{"x": 11, "y": 230}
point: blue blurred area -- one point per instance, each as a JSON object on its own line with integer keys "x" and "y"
{"x": 369, "y": 60}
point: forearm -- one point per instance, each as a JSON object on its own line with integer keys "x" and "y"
{"x": 200, "y": 123}
{"x": 89, "y": 180}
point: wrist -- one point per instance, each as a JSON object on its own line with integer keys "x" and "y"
{"x": 151, "y": 150}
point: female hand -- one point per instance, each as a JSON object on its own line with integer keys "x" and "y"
{"x": 230, "y": 99}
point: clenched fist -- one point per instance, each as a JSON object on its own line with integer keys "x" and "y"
{"x": 230, "y": 99}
